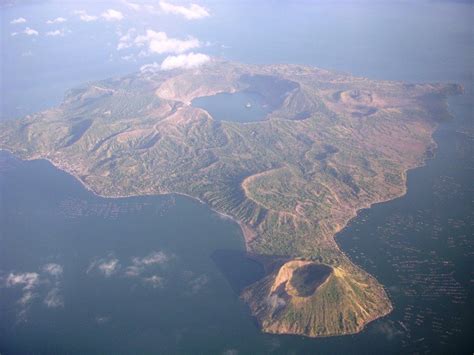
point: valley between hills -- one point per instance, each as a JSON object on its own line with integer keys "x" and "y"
{"x": 332, "y": 144}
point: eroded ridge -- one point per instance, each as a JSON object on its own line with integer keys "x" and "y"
{"x": 332, "y": 144}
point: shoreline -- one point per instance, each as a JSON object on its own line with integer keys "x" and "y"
{"x": 247, "y": 230}
{"x": 91, "y": 190}
{"x": 245, "y": 233}
{"x": 249, "y": 233}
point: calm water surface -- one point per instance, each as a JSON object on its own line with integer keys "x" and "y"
{"x": 242, "y": 106}
{"x": 137, "y": 273}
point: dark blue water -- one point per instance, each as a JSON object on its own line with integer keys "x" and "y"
{"x": 421, "y": 246}
{"x": 136, "y": 274}
{"x": 157, "y": 274}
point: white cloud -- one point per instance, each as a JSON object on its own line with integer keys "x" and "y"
{"x": 132, "y": 5}
{"x": 56, "y": 33}
{"x": 133, "y": 270}
{"x": 55, "y": 270}
{"x": 198, "y": 283}
{"x": 192, "y": 12}
{"x": 30, "y": 32}
{"x": 151, "y": 259}
{"x": 27, "y": 31}
{"x": 56, "y": 20}
{"x": 184, "y": 61}
{"x": 32, "y": 286}
{"x": 54, "y": 299}
{"x": 28, "y": 280}
{"x": 18, "y": 20}
{"x": 275, "y": 301}
{"x": 388, "y": 330}
{"x": 107, "y": 266}
{"x": 102, "y": 319}
{"x": 195, "y": 283}
{"x": 157, "y": 43}
{"x": 84, "y": 16}
{"x": 162, "y": 44}
{"x": 139, "y": 264}
{"x": 126, "y": 40}
{"x": 26, "y": 298}
{"x": 149, "y": 68}
{"x": 150, "y": 8}
{"x": 154, "y": 281}
{"x": 112, "y": 15}
{"x": 128, "y": 58}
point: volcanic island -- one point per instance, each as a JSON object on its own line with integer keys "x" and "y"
{"x": 331, "y": 145}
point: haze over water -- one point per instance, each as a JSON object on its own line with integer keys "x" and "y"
{"x": 138, "y": 274}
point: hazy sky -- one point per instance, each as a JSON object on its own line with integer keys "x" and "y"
{"x": 48, "y": 47}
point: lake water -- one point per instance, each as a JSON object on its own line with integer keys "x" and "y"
{"x": 242, "y": 106}
{"x": 83, "y": 274}
{"x": 137, "y": 273}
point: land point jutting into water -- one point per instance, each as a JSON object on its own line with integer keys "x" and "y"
{"x": 330, "y": 145}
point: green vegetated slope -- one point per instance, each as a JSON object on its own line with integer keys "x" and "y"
{"x": 332, "y": 145}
